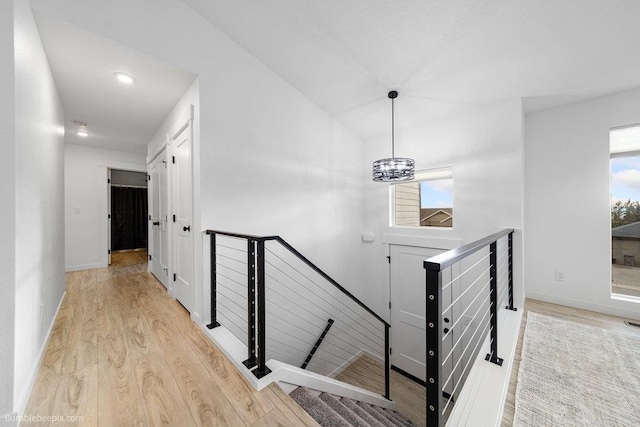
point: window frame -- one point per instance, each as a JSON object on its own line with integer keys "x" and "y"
{"x": 425, "y": 175}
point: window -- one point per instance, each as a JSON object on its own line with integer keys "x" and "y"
{"x": 425, "y": 202}
{"x": 625, "y": 211}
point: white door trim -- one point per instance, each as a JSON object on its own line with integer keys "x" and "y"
{"x": 189, "y": 301}
{"x": 104, "y": 167}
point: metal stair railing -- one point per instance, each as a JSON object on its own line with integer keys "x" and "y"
{"x": 466, "y": 289}
{"x": 277, "y": 301}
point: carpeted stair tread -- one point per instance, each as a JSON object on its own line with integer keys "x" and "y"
{"x": 319, "y": 411}
{"x": 370, "y": 420}
{"x": 351, "y": 417}
{"x": 400, "y": 419}
{"x": 329, "y": 411}
{"x": 383, "y": 419}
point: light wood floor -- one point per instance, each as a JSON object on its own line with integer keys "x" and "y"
{"x": 576, "y": 315}
{"x": 123, "y": 353}
{"x": 410, "y": 397}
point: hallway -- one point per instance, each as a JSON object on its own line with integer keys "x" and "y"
{"x": 123, "y": 353}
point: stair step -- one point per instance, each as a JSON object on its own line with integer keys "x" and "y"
{"x": 330, "y": 411}
{"x": 319, "y": 411}
{"x": 361, "y": 412}
{"x": 351, "y": 417}
{"x": 383, "y": 419}
{"x": 401, "y": 419}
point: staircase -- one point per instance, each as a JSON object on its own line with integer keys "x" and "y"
{"x": 328, "y": 410}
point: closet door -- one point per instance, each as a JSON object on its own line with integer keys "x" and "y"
{"x": 183, "y": 265}
{"x": 158, "y": 219}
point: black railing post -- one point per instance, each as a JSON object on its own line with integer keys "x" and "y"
{"x": 510, "y": 266}
{"x": 387, "y": 363}
{"x": 262, "y": 369}
{"x": 434, "y": 344}
{"x": 317, "y": 345}
{"x": 493, "y": 272}
{"x": 251, "y": 304}
{"x": 214, "y": 310}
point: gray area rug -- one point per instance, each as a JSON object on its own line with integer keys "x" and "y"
{"x": 573, "y": 374}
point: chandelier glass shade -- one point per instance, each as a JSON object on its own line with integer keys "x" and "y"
{"x": 393, "y": 169}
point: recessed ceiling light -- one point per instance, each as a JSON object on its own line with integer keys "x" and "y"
{"x": 125, "y": 78}
{"x": 82, "y": 129}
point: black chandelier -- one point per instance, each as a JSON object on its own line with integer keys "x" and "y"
{"x": 394, "y": 168}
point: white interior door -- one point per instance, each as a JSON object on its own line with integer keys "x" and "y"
{"x": 183, "y": 209}
{"x": 109, "y": 216}
{"x": 158, "y": 218}
{"x": 408, "y": 309}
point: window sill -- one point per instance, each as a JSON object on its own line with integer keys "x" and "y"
{"x": 420, "y": 241}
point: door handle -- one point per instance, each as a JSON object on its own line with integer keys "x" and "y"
{"x": 156, "y": 223}
{"x": 187, "y": 228}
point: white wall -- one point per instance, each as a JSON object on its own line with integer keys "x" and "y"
{"x": 39, "y": 143}
{"x": 484, "y": 147}
{"x": 85, "y": 180}
{"x": 7, "y": 208}
{"x": 271, "y": 161}
{"x": 179, "y": 115}
{"x": 567, "y": 221}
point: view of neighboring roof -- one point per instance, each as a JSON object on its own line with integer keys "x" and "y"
{"x": 628, "y": 230}
{"x": 436, "y": 217}
{"x": 427, "y": 213}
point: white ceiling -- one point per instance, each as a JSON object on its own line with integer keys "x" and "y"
{"x": 119, "y": 117}
{"x": 442, "y": 56}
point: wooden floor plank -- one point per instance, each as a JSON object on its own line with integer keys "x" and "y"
{"x": 163, "y": 402}
{"x": 82, "y": 344}
{"x": 140, "y": 337}
{"x": 77, "y": 395}
{"x": 109, "y": 319}
{"x": 120, "y": 400}
{"x": 123, "y": 353}
{"x": 248, "y": 403}
{"x": 288, "y": 406}
{"x": 274, "y": 418}
{"x": 41, "y": 400}
{"x": 368, "y": 373}
{"x": 207, "y": 403}
{"x": 176, "y": 350}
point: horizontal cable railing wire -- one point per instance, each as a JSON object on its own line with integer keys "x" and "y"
{"x": 353, "y": 334}
{"x": 466, "y": 289}
{"x": 315, "y": 316}
{"x": 284, "y": 307}
{"x": 320, "y": 303}
{"x": 338, "y": 300}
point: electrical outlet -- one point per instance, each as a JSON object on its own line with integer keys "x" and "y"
{"x": 560, "y": 276}
{"x": 41, "y": 313}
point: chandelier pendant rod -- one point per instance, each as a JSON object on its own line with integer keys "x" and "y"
{"x": 393, "y": 129}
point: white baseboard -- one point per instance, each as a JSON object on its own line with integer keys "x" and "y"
{"x": 236, "y": 352}
{"x": 196, "y": 318}
{"x": 282, "y": 372}
{"x": 21, "y": 404}
{"x": 82, "y": 267}
{"x": 586, "y": 305}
